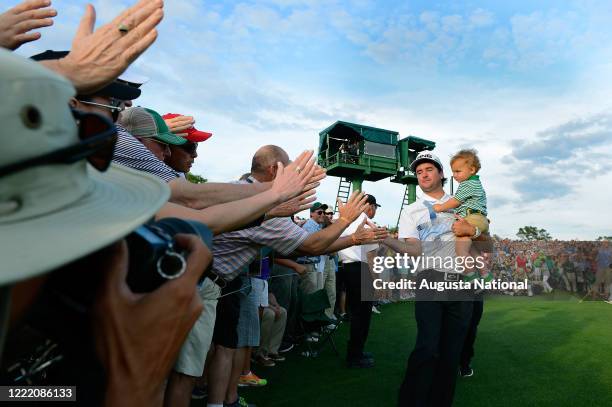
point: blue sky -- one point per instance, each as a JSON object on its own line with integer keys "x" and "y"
{"x": 527, "y": 83}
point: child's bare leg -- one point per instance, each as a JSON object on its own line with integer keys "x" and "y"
{"x": 462, "y": 248}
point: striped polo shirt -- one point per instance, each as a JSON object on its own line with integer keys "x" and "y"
{"x": 472, "y": 196}
{"x": 232, "y": 251}
{"x": 132, "y": 153}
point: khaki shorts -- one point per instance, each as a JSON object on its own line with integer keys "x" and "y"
{"x": 478, "y": 220}
{"x": 192, "y": 355}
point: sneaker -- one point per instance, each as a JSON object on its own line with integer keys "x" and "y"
{"x": 264, "y": 361}
{"x": 466, "y": 371}
{"x": 276, "y": 357}
{"x": 199, "y": 393}
{"x": 312, "y": 339}
{"x": 285, "y": 347}
{"x": 241, "y": 402}
{"x": 362, "y": 363}
{"x": 310, "y": 354}
{"x": 251, "y": 379}
{"x": 375, "y": 310}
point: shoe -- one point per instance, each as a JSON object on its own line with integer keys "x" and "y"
{"x": 362, "y": 363}
{"x": 344, "y": 316}
{"x": 264, "y": 361}
{"x": 312, "y": 339}
{"x": 276, "y": 357}
{"x": 466, "y": 371}
{"x": 285, "y": 347}
{"x": 252, "y": 380}
{"x": 367, "y": 355}
{"x": 375, "y": 310}
{"x": 241, "y": 402}
{"x": 199, "y": 393}
{"x": 309, "y": 354}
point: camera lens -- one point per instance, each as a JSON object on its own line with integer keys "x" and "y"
{"x": 171, "y": 265}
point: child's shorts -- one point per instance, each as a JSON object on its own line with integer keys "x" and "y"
{"x": 478, "y": 220}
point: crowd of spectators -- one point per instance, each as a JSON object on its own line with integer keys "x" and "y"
{"x": 579, "y": 267}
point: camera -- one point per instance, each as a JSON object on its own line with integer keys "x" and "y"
{"x": 153, "y": 259}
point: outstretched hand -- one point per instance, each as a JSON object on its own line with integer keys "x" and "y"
{"x": 368, "y": 232}
{"x": 17, "y": 23}
{"x": 291, "y": 181}
{"x": 354, "y": 207}
{"x": 98, "y": 57}
{"x": 179, "y": 124}
{"x": 294, "y": 205}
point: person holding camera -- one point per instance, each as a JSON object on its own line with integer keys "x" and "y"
{"x": 62, "y": 200}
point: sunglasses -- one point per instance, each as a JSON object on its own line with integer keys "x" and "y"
{"x": 329, "y": 213}
{"x": 319, "y": 212}
{"x": 97, "y": 136}
{"x": 189, "y": 147}
{"x": 115, "y": 106}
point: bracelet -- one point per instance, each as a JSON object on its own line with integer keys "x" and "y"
{"x": 477, "y": 233}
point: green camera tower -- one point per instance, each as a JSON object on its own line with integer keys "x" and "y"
{"x": 355, "y": 152}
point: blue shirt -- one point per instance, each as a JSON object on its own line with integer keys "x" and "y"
{"x": 310, "y": 226}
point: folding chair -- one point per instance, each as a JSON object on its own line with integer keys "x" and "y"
{"x": 312, "y": 317}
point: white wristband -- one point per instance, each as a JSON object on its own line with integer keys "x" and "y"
{"x": 477, "y": 233}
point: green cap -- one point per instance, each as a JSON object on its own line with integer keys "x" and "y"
{"x": 318, "y": 205}
{"x": 141, "y": 122}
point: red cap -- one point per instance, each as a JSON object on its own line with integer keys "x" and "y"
{"x": 192, "y": 134}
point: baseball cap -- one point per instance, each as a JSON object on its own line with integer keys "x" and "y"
{"x": 115, "y": 89}
{"x": 318, "y": 205}
{"x": 191, "y": 134}
{"x": 371, "y": 199}
{"x": 143, "y": 122}
{"x": 426, "y": 156}
{"x": 52, "y": 214}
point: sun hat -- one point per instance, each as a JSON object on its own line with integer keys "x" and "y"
{"x": 53, "y": 214}
{"x": 191, "y": 134}
{"x": 143, "y": 122}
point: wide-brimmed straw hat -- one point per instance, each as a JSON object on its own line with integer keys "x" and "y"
{"x": 54, "y": 213}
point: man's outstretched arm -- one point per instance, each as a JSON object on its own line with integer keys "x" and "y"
{"x": 236, "y": 214}
{"x": 410, "y": 246}
{"x": 200, "y": 196}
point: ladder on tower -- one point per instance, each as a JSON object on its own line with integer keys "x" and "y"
{"x": 405, "y": 202}
{"x": 344, "y": 190}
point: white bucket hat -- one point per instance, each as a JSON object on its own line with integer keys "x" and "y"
{"x": 55, "y": 213}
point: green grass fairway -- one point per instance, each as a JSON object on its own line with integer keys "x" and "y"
{"x": 529, "y": 352}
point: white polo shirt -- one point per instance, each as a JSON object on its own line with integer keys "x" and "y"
{"x": 436, "y": 234}
{"x": 356, "y": 253}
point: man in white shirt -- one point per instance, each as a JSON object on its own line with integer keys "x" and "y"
{"x": 442, "y": 322}
{"x": 355, "y": 263}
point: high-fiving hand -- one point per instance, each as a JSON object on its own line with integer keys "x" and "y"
{"x": 17, "y": 23}
{"x": 354, "y": 207}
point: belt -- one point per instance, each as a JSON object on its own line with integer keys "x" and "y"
{"x": 452, "y": 277}
{"x": 215, "y": 278}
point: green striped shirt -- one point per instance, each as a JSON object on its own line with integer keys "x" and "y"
{"x": 472, "y": 196}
